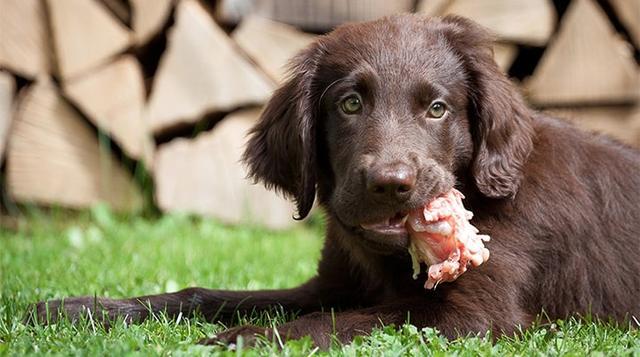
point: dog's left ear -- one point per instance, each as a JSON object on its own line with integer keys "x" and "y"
{"x": 281, "y": 150}
{"x": 501, "y": 121}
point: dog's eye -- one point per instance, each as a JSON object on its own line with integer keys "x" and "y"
{"x": 351, "y": 104}
{"x": 437, "y": 110}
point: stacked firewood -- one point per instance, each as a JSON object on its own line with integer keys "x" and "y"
{"x": 93, "y": 92}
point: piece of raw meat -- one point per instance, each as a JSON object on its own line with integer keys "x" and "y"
{"x": 442, "y": 237}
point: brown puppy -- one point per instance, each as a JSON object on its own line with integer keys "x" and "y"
{"x": 378, "y": 118}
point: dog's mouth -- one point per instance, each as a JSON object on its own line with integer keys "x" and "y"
{"x": 393, "y": 225}
{"x": 384, "y": 236}
{"x": 388, "y": 232}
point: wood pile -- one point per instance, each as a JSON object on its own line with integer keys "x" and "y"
{"x": 92, "y": 92}
{"x": 203, "y": 176}
{"x": 311, "y": 15}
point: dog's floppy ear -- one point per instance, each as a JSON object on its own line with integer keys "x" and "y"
{"x": 501, "y": 121}
{"x": 280, "y": 151}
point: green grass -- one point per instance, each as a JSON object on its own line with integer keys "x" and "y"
{"x": 97, "y": 253}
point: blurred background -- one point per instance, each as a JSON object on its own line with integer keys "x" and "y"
{"x": 143, "y": 105}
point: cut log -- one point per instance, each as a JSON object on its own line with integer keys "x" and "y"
{"x": 432, "y": 7}
{"x": 620, "y": 122}
{"x": 85, "y": 35}
{"x": 149, "y": 16}
{"x": 270, "y": 44}
{"x": 201, "y": 72}
{"x": 54, "y": 158}
{"x": 113, "y": 98}
{"x": 24, "y": 46}
{"x": 312, "y": 14}
{"x": 213, "y": 182}
{"x": 528, "y": 22}
{"x": 629, "y": 12}
{"x": 119, "y": 8}
{"x": 504, "y": 55}
{"x": 7, "y": 92}
{"x": 586, "y": 63}
{"x": 232, "y": 11}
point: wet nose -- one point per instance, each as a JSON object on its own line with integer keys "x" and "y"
{"x": 391, "y": 180}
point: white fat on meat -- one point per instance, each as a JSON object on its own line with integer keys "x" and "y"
{"x": 443, "y": 238}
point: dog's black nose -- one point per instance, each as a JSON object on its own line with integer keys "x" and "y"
{"x": 392, "y": 180}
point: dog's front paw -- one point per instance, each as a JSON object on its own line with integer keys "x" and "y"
{"x": 100, "y": 310}
{"x": 48, "y": 312}
{"x": 248, "y": 333}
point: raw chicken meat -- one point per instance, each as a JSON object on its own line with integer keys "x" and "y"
{"x": 443, "y": 238}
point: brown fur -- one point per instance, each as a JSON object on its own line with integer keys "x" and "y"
{"x": 560, "y": 205}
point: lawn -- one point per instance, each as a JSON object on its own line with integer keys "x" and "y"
{"x": 98, "y": 253}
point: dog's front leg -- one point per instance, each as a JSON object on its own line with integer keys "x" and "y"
{"x": 458, "y": 316}
{"x": 212, "y": 304}
{"x": 322, "y": 327}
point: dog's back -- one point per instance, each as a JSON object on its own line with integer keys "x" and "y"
{"x": 579, "y": 203}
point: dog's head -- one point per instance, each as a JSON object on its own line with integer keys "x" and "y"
{"x": 381, "y": 117}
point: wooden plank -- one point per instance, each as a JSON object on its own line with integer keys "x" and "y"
{"x": 24, "y": 47}
{"x": 201, "y": 72}
{"x": 212, "y": 181}
{"x": 586, "y": 63}
{"x": 270, "y": 44}
{"x": 620, "y": 122}
{"x": 113, "y": 98}
{"x": 53, "y": 157}
{"x": 85, "y": 35}
{"x": 629, "y": 13}
{"x": 7, "y": 93}
{"x": 149, "y": 16}
{"x": 504, "y": 55}
{"x": 528, "y": 22}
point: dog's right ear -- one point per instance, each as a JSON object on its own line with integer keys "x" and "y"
{"x": 280, "y": 151}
